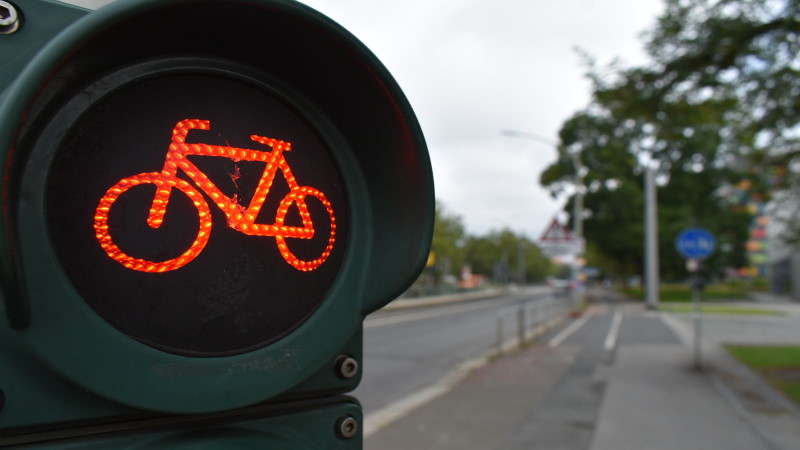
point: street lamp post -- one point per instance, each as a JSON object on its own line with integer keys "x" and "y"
{"x": 651, "y": 240}
{"x": 577, "y": 227}
{"x": 577, "y": 211}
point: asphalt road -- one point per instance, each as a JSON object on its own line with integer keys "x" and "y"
{"x": 408, "y": 350}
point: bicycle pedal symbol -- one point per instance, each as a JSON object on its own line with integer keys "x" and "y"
{"x": 239, "y": 218}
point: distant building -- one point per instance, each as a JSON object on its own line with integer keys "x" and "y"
{"x": 784, "y": 257}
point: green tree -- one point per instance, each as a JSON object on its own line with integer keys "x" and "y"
{"x": 498, "y": 254}
{"x": 742, "y": 57}
{"x": 448, "y": 243}
{"x": 613, "y": 148}
{"x": 722, "y": 86}
{"x": 505, "y": 256}
{"x": 612, "y": 191}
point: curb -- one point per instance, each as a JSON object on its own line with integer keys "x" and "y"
{"x": 445, "y": 299}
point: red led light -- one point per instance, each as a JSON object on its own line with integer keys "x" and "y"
{"x": 238, "y": 217}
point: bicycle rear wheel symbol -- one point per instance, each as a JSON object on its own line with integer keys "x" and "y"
{"x": 239, "y": 218}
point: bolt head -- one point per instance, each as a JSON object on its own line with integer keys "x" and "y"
{"x": 347, "y": 427}
{"x": 347, "y": 367}
{"x": 9, "y": 18}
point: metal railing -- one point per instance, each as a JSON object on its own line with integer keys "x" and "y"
{"x": 529, "y": 320}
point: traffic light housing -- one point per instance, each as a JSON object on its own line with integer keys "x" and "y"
{"x": 202, "y": 200}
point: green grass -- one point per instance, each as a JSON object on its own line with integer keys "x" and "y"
{"x": 682, "y": 293}
{"x": 760, "y": 357}
{"x": 718, "y": 309}
{"x": 791, "y": 389}
{"x": 779, "y": 365}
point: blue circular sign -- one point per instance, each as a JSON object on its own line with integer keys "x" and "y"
{"x": 696, "y": 243}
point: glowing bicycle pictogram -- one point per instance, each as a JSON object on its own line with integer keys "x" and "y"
{"x": 239, "y": 218}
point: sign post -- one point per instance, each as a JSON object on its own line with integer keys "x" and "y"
{"x": 696, "y": 244}
{"x": 558, "y": 240}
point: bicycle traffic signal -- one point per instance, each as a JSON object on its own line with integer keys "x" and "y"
{"x": 202, "y": 200}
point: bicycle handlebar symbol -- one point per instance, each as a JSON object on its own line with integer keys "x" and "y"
{"x": 239, "y": 218}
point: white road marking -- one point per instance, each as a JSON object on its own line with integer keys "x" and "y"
{"x": 573, "y": 327}
{"x": 613, "y": 332}
{"x": 394, "y": 411}
{"x": 383, "y": 417}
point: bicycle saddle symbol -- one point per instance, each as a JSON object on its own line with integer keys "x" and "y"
{"x": 239, "y": 218}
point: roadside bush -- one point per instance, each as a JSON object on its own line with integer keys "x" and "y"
{"x": 683, "y": 292}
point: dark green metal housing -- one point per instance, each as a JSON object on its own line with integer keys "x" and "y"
{"x": 349, "y": 95}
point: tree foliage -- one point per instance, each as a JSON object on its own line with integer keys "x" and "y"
{"x": 730, "y": 67}
{"x": 506, "y": 256}
{"x": 745, "y": 51}
{"x": 448, "y": 241}
{"x": 499, "y": 255}
{"x": 718, "y": 103}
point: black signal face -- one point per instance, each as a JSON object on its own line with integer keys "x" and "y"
{"x": 196, "y": 211}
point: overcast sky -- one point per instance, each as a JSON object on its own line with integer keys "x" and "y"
{"x": 472, "y": 68}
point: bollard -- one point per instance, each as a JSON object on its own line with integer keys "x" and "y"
{"x": 499, "y": 331}
{"x": 539, "y": 318}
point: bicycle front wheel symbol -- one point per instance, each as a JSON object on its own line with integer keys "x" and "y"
{"x": 103, "y": 233}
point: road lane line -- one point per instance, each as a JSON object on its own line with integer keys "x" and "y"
{"x": 566, "y": 332}
{"x": 385, "y": 416}
{"x": 613, "y": 332}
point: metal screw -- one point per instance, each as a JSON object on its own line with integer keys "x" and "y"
{"x": 346, "y": 367}
{"x": 346, "y": 427}
{"x": 9, "y": 18}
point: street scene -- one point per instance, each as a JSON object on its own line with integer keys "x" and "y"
{"x": 617, "y": 377}
{"x": 383, "y": 225}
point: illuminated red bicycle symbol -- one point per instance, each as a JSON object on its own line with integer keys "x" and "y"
{"x": 239, "y": 218}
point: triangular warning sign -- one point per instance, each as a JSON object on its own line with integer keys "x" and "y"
{"x": 556, "y": 233}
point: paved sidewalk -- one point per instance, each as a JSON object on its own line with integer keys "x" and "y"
{"x": 656, "y": 400}
{"x": 775, "y": 418}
